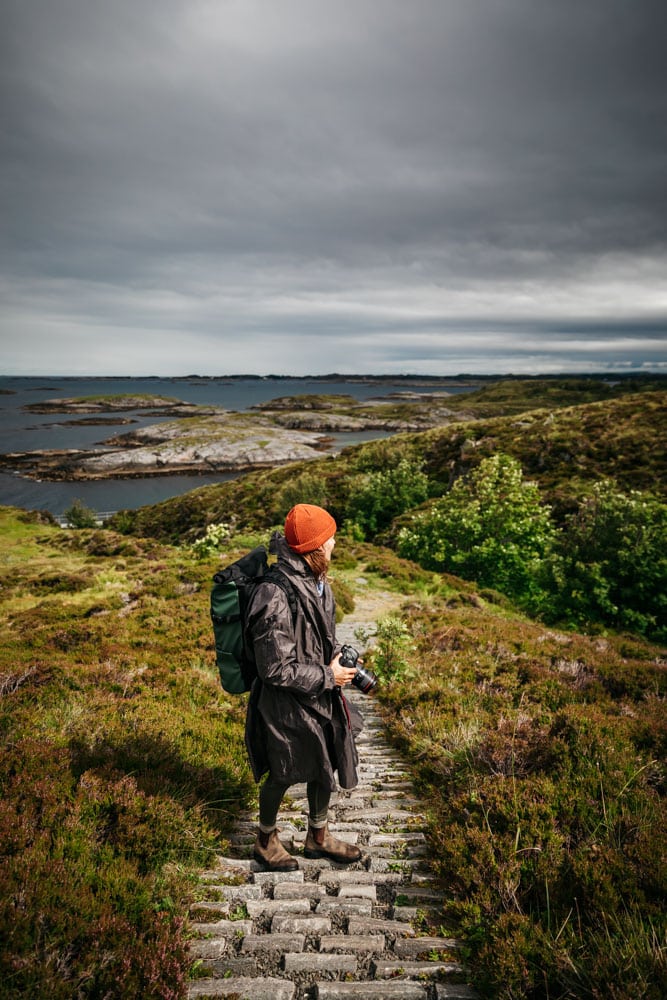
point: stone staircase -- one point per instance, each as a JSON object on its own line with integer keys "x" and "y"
{"x": 368, "y": 931}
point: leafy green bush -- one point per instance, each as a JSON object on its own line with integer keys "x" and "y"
{"x": 393, "y": 643}
{"x": 490, "y": 527}
{"x": 611, "y": 562}
{"x": 216, "y": 535}
{"x": 376, "y": 498}
{"x": 78, "y": 515}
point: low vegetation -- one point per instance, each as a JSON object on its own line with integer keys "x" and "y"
{"x": 542, "y": 756}
{"x": 122, "y": 762}
{"x": 540, "y": 750}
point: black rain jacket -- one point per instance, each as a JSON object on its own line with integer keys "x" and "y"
{"x": 299, "y": 725}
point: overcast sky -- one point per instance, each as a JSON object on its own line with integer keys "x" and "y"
{"x": 310, "y": 186}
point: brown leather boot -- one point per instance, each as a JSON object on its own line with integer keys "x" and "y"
{"x": 270, "y": 853}
{"x": 321, "y": 844}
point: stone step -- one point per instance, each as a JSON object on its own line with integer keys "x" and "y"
{"x": 381, "y": 990}
{"x": 222, "y": 928}
{"x": 257, "y": 988}
{"x": 345, "y": 907}
{"x": 412, "y": 947}
{"x": 374, "y": 925}
{"x": 309, "y": 924}
{"x": 319, "y": 963}
{"x": 258, "y": 907}
{"x": 261, "y": 943}
{"x": 368, "y": 944}
{"x": 417, "y": 970}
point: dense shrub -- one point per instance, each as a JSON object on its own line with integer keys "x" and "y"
{"x": 611, "y": 562}
{"x": 490, "y": 527}
{"x": 376, "y": 498}
{"x": 78, "y": 515}
{"x": 122, "y": 765}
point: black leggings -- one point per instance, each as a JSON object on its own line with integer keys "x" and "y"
{"x": 272, "y": 793}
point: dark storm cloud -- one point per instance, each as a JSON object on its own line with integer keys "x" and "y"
{"x": 237, "y": 176}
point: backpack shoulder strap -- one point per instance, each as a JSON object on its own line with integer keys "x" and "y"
{"x": 275, "y": 575}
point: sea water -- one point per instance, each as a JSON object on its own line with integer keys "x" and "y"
{"x": 22, "y": 430}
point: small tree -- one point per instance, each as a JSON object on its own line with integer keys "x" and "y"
{"x": 490, "y": 527}
{"x": 78, "y": 515}
{"x": 393, "y": 642}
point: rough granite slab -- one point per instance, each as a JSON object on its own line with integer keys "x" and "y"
{"x": 273, "y": 878}
{"x": 419, "y": 945}
{"x": 261, "y": 943}
{"x": 357, "y": 943}
{"x": 382, "y": 990}
{"x": 309, "y": 923}
{"x": 256, "y": 907}
{"x": 357, "y": 891}
{"x": 208, "y": 948}
{"x": 374, "y": 925}
{"x": 222, "y": 928}
{"x": 298, "y": 890}
{"x": 314, "y": 961}
{"x": 395, "y": 970}
{"x": 258, "y": 989}
{"x": 211, "y": 906}
{"x": 346, "y": 907}
{"x": 353, "y": 878}
{"x": 232, "y": 892}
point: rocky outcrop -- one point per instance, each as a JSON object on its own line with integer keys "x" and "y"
{"x": 221, "y": 443}
{"x": 211, "y": 439}
{"x": 162, "y": 405}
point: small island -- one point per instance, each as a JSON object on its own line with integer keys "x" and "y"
{"x": 205, "y": 439}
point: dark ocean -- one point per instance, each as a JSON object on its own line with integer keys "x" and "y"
{"x": 21, "y": 430}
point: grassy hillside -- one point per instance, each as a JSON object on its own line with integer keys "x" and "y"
{"x": 121, "y": 761}
{"x": 541, "y": 754}
{"x": 564, "y": 450}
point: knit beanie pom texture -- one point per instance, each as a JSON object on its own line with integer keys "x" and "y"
{"x": 307, "y": 527}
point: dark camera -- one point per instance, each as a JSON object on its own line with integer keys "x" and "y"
{"x": 364, "y": 679}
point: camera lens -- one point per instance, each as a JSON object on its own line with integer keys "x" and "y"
{"x": 365, "y": 680}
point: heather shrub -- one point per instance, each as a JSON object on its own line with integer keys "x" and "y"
{"x": 546, "y": 787}
{"x": 122, "y": 764}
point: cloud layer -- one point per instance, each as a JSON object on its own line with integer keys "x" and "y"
{"x": 302, "y": 187}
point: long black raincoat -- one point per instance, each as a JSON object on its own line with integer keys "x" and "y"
{"x": 298, "y": 725}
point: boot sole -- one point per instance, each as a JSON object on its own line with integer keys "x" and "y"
{"x": 310, "y": 853}
{"x": 275, "y": 868}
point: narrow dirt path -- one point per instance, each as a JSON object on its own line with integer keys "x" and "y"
{"x": 367, "y": 931}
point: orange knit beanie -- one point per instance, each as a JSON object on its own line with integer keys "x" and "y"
{"x": 307, "y": 527}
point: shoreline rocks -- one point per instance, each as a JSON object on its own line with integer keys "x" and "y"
{"x": 203, "y": 440}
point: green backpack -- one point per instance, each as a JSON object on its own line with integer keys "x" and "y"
{"x": 230, "y": 596}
